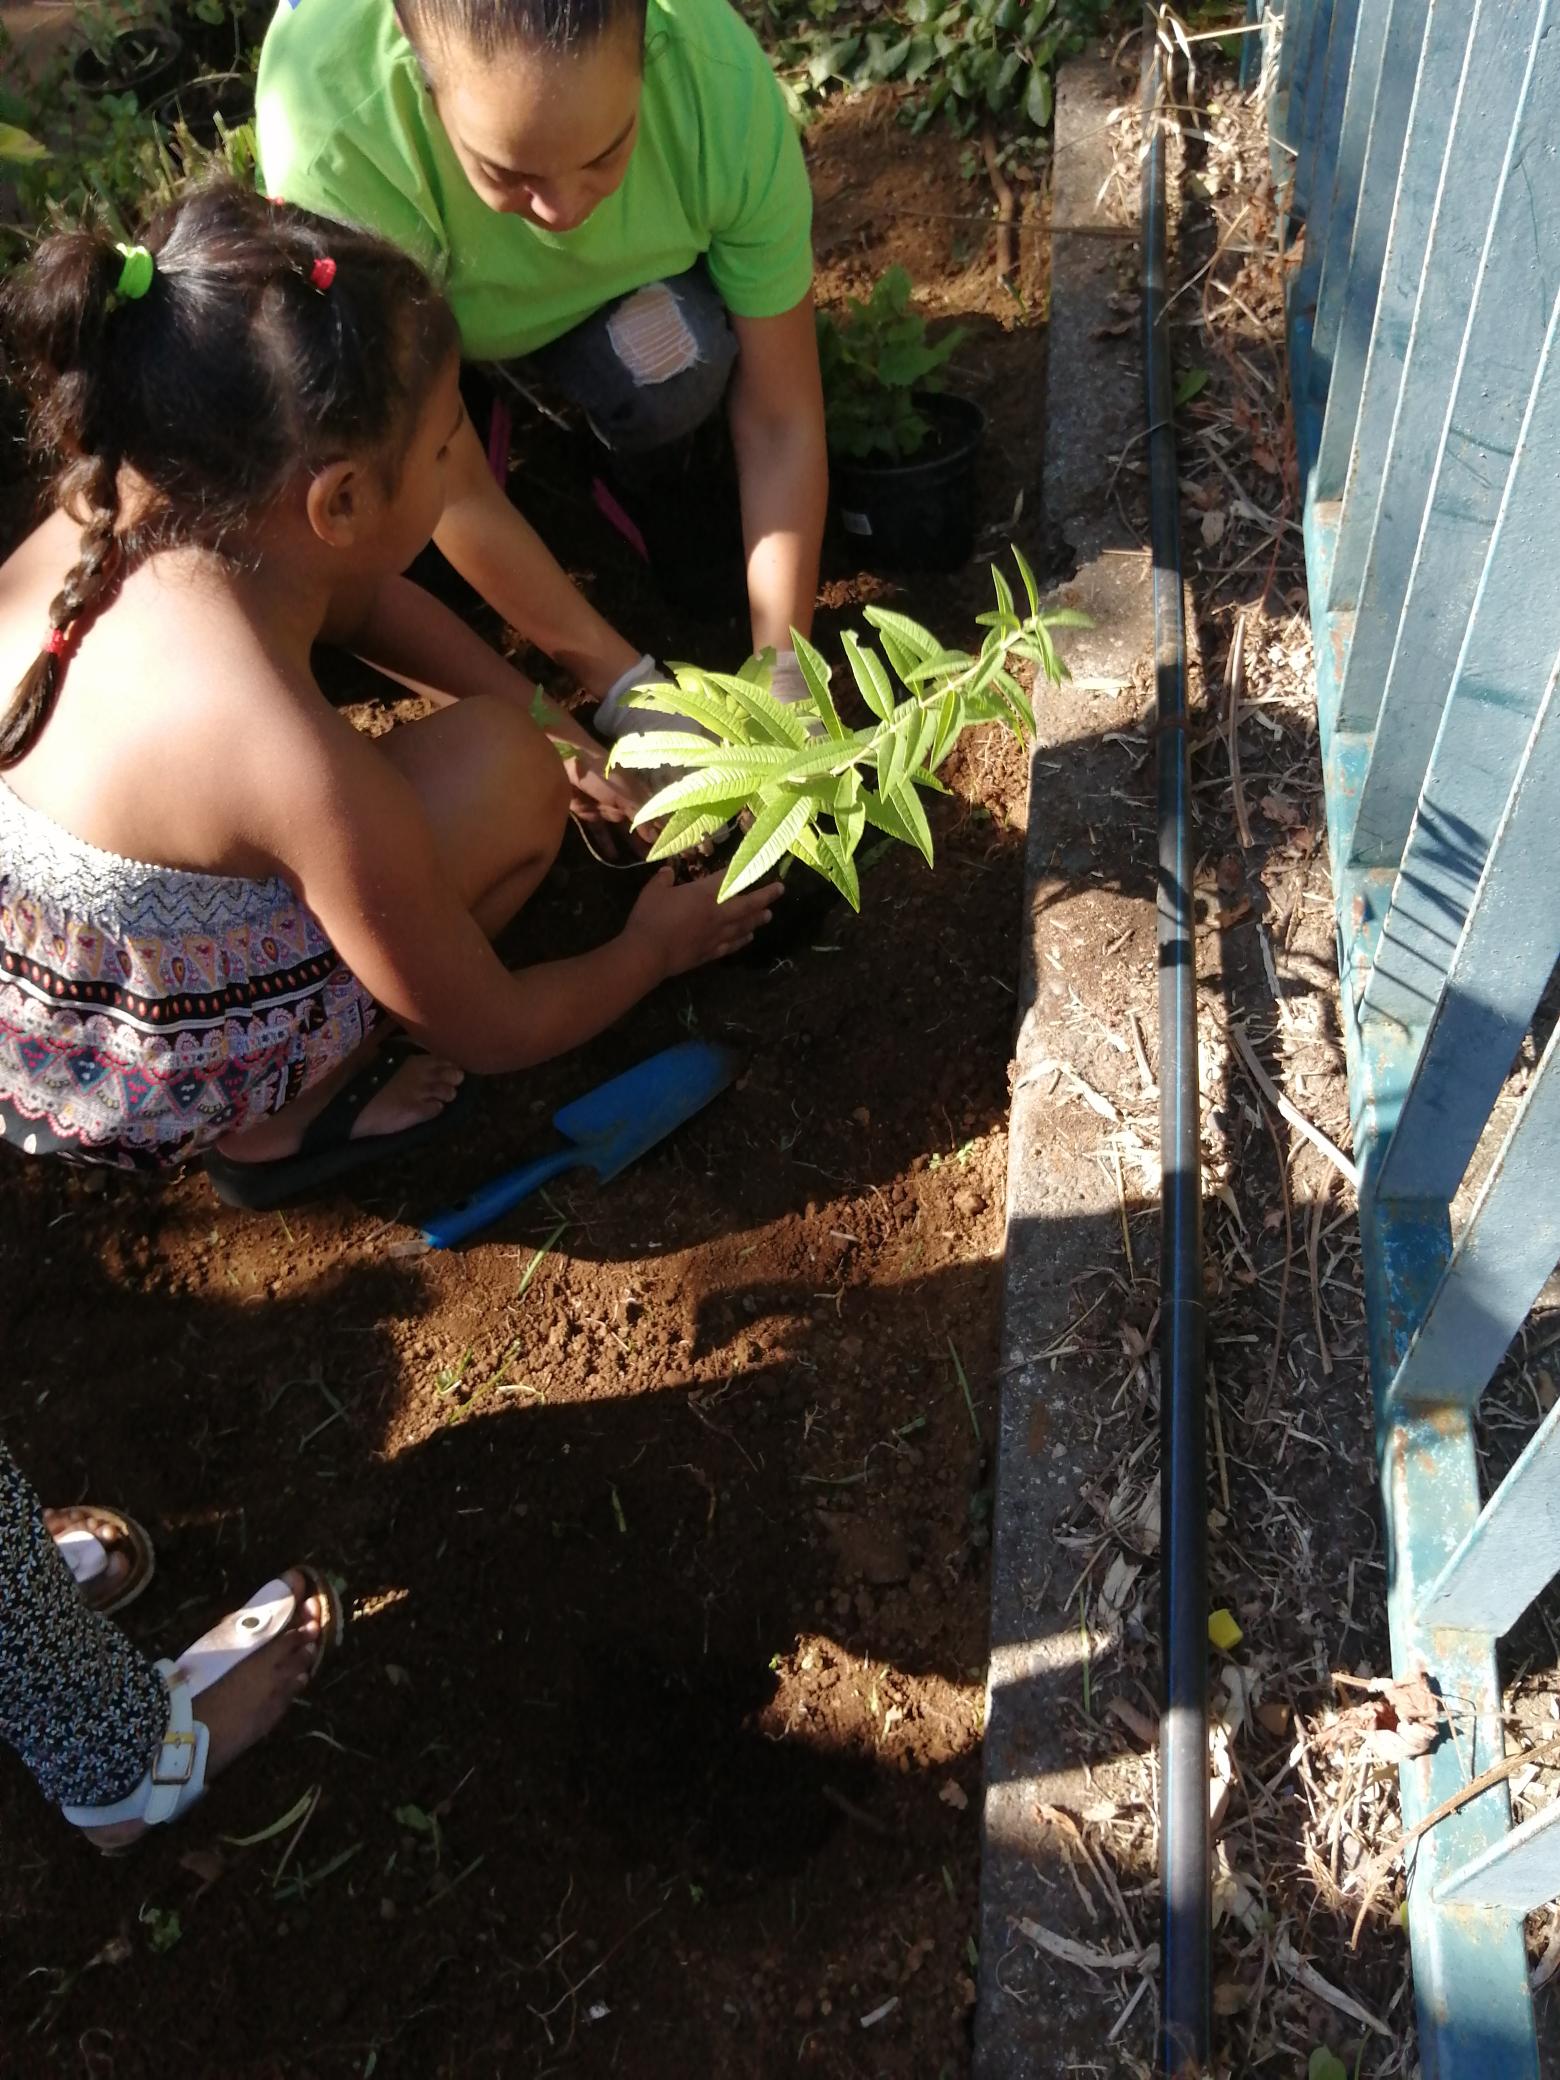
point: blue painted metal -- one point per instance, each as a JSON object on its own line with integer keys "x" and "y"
{"x": 1412, "y": 203}
{"x": 1424, "y": 336}
{"x": 1499, "y": 390}
{"x": 1519, "y": 1873}
{"x": 1512, "y": 1552}
{"x": 1504, "y": 955}
{"x": 1402, "y": 41}
{"x": 1317, "y": 187}
{"x": 1286, "y": 112}
{"x": 1307, "y": 93}
{"x": 1506, "y": 1251}
{"x": 1329, "y": 256}
{"x": 1503, "y": 39}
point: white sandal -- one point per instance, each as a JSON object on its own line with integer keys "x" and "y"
{"x": 177, "y": 1777}
{"x": 87, "y": 1556}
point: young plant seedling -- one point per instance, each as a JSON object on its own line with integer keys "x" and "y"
{"x": 874, "y": 358}
{"x": 810, "y": 785}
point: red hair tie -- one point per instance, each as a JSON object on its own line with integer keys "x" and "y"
{"x": 56, "y": 642}
{"x": 323, "y": 272}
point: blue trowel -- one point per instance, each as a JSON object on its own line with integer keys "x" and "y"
{"x": 606, "y": 1130}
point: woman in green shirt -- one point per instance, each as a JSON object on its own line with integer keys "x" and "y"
{"x": 611, "y": 194}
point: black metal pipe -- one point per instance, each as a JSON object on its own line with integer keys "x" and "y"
{"x": 1183, "y": 1738}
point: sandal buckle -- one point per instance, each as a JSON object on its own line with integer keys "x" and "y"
{"x": 186, "y": 1742}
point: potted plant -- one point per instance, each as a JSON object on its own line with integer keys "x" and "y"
{"x": 801, "y": 780}
{"x": 136, "y": 54}
{"x": 902, "y": 450}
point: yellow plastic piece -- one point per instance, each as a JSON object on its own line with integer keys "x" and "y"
{"x": 1224, "y": 1633}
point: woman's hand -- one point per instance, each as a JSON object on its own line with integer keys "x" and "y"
{"x": 689, "y": 926}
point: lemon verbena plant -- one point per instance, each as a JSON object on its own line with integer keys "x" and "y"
{"x": 810, "y": 784}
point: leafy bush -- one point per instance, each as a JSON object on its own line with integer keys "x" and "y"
{"x": 64, "y": 151}
{"x": 812, "y": 785}
{"x": 969, "y": 60}
{"x": 873, "y": 359}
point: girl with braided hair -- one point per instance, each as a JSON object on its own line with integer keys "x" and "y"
{"x": 215, "y": 893}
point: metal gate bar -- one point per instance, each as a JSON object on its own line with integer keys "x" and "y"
{"x": 1413, "y": 148}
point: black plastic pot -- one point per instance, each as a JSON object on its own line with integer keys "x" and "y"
{"x": 142, "y": 60}
{"x": 199, "y": 102}
{"x": 919, "y": 514}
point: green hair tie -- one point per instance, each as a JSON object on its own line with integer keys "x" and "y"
{"x": 135, "y": 277}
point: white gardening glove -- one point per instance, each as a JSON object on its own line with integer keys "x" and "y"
{"x": 614, "y": 718}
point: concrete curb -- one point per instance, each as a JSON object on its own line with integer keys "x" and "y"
{"x": 1088, "y": 883}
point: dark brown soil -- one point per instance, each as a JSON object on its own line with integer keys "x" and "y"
{"x": 654, "y": 1746}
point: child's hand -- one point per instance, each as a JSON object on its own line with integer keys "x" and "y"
{"x": 603, "y": 797}
{"x": 688, "y": 925}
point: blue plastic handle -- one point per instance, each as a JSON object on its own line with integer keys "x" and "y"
{"x": 495, "y": 1199}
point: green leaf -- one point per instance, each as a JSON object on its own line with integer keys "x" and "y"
{"x": 1192, "y": 384}
{"x": 908, "y": 804}
{"x": 645, "y": 750}
{"x": 894, "y": 748}
{"x": 815, "y": 672}
{"x": 1038, "y": 97}
{"x": 773, "y": 830}
{"x": 19, "y": 147}
{"x": 778, "y": 720}
{"x": 1018, "y": 700}
{"x": 1324, "y": 2066}
{"x": 823, "y": 854}
{"x": 924, "y": 737}
{"x": 950, "y": 725}
{"x": 913, "y": 636}
{"x": 870, "y": 676}
{"x": 826, "y": 755}
{"x": 715, "y": 713}
{"x": 1031, "y": 590}
{"x": 1004, "y": 592}
{"x": 720, "y": 785}
{"x": 883, "y": 816}
{"x": 1067, "y": 617}
{"x": 757, "y": 670}
{"x": 690, "y": 827}
{"x": 850, "y": 817}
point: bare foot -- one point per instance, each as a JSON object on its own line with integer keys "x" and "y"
{"x": 418, "y": 1091}
{"x": 243, "y": 1707}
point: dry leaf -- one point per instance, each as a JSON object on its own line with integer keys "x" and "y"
{"x": 1117, "y": 1586}
{"x": 1213, "y": 528}
{"x": 1279, "y": 809}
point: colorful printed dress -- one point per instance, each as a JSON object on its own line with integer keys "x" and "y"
{"x": 147, "y": 1011}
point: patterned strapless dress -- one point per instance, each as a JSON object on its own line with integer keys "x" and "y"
{"x": 145, "y": 1011}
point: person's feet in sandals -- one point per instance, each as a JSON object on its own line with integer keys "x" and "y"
{"x": 226, "y": 1693}
{"x": 109, "y": 1555}
{"x": 385, "y": 1105}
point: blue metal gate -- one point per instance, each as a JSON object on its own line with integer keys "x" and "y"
{"x": 1419, "y": 142}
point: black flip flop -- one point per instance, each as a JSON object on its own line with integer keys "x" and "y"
{"x": 328, "y": 1150}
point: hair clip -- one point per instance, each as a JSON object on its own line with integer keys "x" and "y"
{"x": 323, "y": 272}
{"x": 56, "y": 642}
{"x": 135, "y": 276}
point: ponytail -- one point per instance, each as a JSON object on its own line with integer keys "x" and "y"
{"x": 255, "y": 341}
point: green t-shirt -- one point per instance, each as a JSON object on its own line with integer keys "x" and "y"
{"x": 347, "y": 127}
